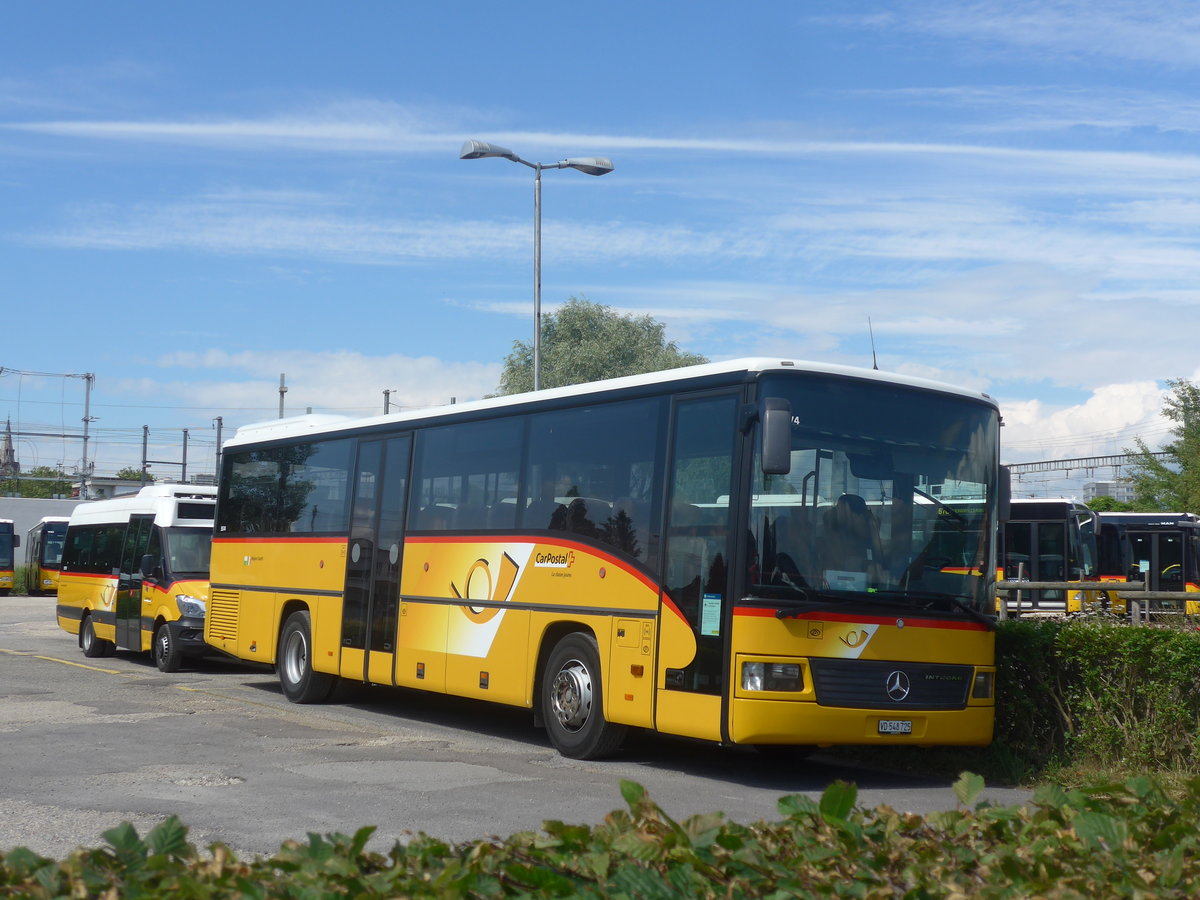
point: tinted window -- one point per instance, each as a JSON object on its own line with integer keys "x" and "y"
{"x": 295, "y": 489}
{"x": 466, "y": 476}
{"x": 594, "y": 471}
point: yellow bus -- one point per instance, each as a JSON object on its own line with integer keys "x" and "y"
{"x": 1051, "y": 539}
{"x": 724, "y": 552}
{"x": 9, "y": 541}
{"x": 135, "y": 573}
{"x": 43, "y": 555}
{"x": 1161, "y": 549}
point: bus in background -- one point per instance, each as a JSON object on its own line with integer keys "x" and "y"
{"x": 1050, "y": 540}
{"x": 135, "y": 573}
{"x": 1160, "y": 548}
{"x": 43, "y": 555}
{"x": 9, "y": 541}
{"x": 724, "y": 552}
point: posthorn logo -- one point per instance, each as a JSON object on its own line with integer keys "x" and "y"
{"x": 897, "y": 685}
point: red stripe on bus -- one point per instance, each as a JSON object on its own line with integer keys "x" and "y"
{"x": 280, "y": 540}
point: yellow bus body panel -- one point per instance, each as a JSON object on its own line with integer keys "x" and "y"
{"x": 89, "y": 594}
{"x": 766, "y": 717}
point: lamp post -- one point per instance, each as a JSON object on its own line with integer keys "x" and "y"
{"x": 589, "y": 165}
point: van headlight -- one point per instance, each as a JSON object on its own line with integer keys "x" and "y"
{"x": 190, "y": 607}
{"x": 768, "y": 676}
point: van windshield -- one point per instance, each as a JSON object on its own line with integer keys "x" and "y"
{"x": 188, "y": 551}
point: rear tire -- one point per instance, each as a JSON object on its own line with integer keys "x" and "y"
{"x": 294, "y": 665}
{"x": 572, "y": 700}
{"x": 92, "y": 646}
{"x": 167, "y": 654}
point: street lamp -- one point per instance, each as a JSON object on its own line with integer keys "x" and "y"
{"x": 588, "y": 165}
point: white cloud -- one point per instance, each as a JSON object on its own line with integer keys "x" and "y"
{"x": 334, "y": 381}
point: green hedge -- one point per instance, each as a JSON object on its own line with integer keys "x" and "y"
{"x": 1131, "y": 840}
{"x": 1098, "y": 694}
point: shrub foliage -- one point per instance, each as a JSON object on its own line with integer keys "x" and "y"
{"x": 1131, "y": 840}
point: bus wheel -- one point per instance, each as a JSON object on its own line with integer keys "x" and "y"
{"x": 296, "y": 676}
{"x": 572, "y": 701}
{"x": 167, "y": 655}
{"x": 92, "y": 646}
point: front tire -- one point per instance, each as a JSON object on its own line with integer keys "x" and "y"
{"x": 572, "y": 699}
{"x": 92, "y": 646}
{"x": 296, "y": 676}
{"x": 167, "y": 654}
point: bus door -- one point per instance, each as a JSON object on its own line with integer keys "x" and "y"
{"x": 129, "y": 582}
{"x": 697, "y": 590}
{"x": 372, "y": 594}
{"x": 1158, "y": 558}
{"x": 1037, "y": 551}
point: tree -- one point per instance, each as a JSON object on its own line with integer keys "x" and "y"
{"x": 585, "y": 341}
{"x": 39, "y": 482}
{"x": 1171, "y": 484}
{"x": 1105, "y": 503}
{"x": 129, "y": 473}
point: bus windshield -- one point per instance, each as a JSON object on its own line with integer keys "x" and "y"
{"x": 889, "y": 500}
{"x": 6, "y": 550}
{"x": 188, "y": 551}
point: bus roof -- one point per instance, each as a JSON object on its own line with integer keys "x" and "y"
{"x": 169, "y": 503}
{"x": 295, "y": 426}
{"x": 1149, "y": 518}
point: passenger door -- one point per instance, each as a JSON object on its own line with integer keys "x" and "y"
{"x": 697, "y": 578}
{"x": 129, "y": 582}
{"x": 372, "y": 593}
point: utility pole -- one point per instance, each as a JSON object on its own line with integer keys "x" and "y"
{"x": 282, "y": 391}
{"x": 85, "y": 469}
{"x": 220, "y": 421}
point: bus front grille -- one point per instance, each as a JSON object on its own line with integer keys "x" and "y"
{"x": 875, "y": 684}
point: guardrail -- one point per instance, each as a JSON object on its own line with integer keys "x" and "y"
{"x": 1137, "y": 598}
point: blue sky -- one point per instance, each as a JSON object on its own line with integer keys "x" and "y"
{"x": 195, "y": 198}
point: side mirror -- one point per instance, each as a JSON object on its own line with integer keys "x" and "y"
{"x": 1004, "y": 501}
{"x": 776, "y": 436}
{"x": 147, "y": 566}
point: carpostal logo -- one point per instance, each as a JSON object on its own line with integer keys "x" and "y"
{"x": 551, "y": 559}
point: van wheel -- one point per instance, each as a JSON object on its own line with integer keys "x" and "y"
{"x": 92, "y": 646}
{"x": 167, "y": 655}
{"x": 296, "y": 676}
{"x": 572, "y": 699}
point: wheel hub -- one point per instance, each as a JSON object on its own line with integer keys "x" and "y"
{"x": 571, "y": 696}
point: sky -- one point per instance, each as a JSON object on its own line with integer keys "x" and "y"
{"x": 197, "y": 198}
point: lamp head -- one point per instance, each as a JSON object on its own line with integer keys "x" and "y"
{"x": 589, "y": 165}
{"x": 482, "y": 149}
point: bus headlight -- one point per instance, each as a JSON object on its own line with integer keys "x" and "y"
{"x": 766, "y": 676}
{"x": 190, "y": 607}
{"x": 984, "y": 685}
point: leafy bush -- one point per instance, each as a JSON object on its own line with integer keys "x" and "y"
{"x": 1121, "y": 840}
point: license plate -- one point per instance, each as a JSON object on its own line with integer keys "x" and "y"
{"x": 895, "y": 726}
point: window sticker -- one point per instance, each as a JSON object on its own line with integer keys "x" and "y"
{"x": 710, "y": 615}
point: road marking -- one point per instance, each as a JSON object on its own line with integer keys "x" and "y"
{"x": 68, "y": 662}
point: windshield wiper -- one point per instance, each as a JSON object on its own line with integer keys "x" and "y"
{"x": 931, "y": 597}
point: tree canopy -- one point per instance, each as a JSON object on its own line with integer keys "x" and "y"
{"x": 39, "y": 482}
{"x": 584, "y": 341}
{"x": 1171, "y": 484}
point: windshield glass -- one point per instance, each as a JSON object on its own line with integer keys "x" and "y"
{"x": 53, "y": 547}
{"x": 6, "y": 551}
{"x": 188, "y": 550}
{"x": 890, "y": 497}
